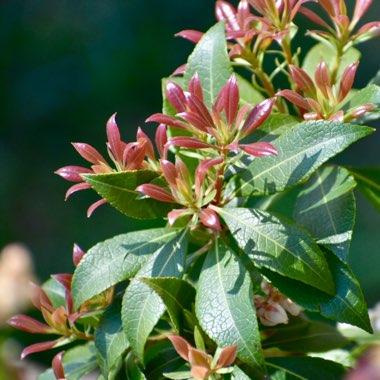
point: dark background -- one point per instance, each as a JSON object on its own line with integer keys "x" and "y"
{"x": 65, "y": 67}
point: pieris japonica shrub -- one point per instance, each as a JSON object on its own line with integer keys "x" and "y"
{"x": 230, "y": 288}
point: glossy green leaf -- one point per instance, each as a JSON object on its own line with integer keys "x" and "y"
{"x": 77, "y": 362}
{"x": 238, "y": 374}
{"x": 210, "y": 60}
{"x": 368, "y": 180}
{"x": 178, "y": 295}
{"x": 322, "y": 52}
{"x": 279, "y": 245}
{"x": 304, "y": 368}
{"x": 118, "y": 189}
{"x": 132, "y": 370}
{"x": 304, "y": 336}
{"x": 347, "y": 306}
{"x": 326, "y": 207}
{"x": 301, "y": 150}
{"x": 224, "y": 304}
{"x": 248, "y": 95}
{"x": 142, "y": 307}
{"x": 110, "y": 340}
{"x": 115, "y": 260}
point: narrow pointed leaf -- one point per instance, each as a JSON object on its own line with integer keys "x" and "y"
{"x": 119, "y": 191}
{"x": 303, "y": 368}
{"x": 347, "y": 306}
{"x": 142, "y": 307}
{"x": 368, "y": 180}
{"x": 301, "y": 150}
{"x": 115, "y": 260}
{"x": 177, "y": 295}
{"x": 210, "y": 60}
{"x": 326, "y": 208}
{"x": 279, "y": 245}
{"x": 224, "y": 304}
{"x": 110, "y": 339}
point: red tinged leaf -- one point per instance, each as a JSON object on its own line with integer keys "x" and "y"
{"x": 175, "y": 214}
{"x": 198, "y": 107}
{"x": 180, "y": 345}
{"x": 259, "y": 149}
{"x": 30, "y": 325}
{"x": 227, "y": 357}
{"x": 347, "y": 80}
{"x": 134, "y": 155}
{"x": 40, "y": 299}
{"x": 372, "y": 29}
{"x": 89, "y": 153}
{"x": 78, "y": 254}
{"x": 142, "y": 138}
{"x": 338, "y": 116}
{"x": 360, "y": 111}
{"x": 195, "y": 87}
{"x": 195, "y": 120}
{"x": 199, "y": 358}
{"x": 73, "y": 173}
{"x": 188, "y": 142}
{"x": 257, "y": 116}
{"x": 39, "y": 347}
{"x": 191, "y": 35}
{"x": 179, "y": 70}
{"x": 94, "y": 206}
{"x": 315, "y": 18}
{"x": 294, "y": 98}
{"x": 225, "y": 11}
{"x": 200, "y": 373}
{"x": 201, "y": 170}
{"x": 183, "y": 172}
{"x": 361, "y": 8}
{"x": 176, "y": 96}
{"x": 57, "y": 366}
{"x": 59, "y": 317}
{"x": 64, "y": 279}
{"x": 161, "y": 139}
{"x": 167, "y": 120}
{"x": 322, "y": 79}
{"x": 170, "y": 173}
{"x": 114, "y": 140}
{"x": 156, "y": 192}
{"x": 302, "y": 80}
{"x": 75, "y": 188}
{"x": 228, "y": 99}
{"x": 209, "y": 218}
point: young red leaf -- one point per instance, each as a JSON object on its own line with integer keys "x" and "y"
{"x": 155, "y": 192}
{"x": 57, "y": 366}
{"x": 78, "y": 254}
{"x": 73, "y": 173}
{"x": 294, "y": 98}
{"x": 322, "y": 79}
{"x": 114, "y": 140}
{"x": 77, "y": 187}
{"x": 302, "y": 80}
{"x": 201, "y": 170}
{"x": 88, "y": 153}
{"x": 227, "y": 356}
{"x": 209, "y": 218}
{"x": 28, "y": 324}
{"x": 225, "y": 11}
{"x": 191, "y": 35}
{"x": 259, "y": 149}
{"x": 143, "y": 139}
{"x": 231, "y": 99}
{"x": 175, "y": 214}
{"x": 170, "y": 173}
{"x": 180, "y": 345}
{"x": 176, "y": 96}
{"x": 195, "y": 120}
{"x": 94, "y": 206}
{"x": 64, "y": 279}
{"x": 257, "y": 116}
{"x": 167, "y": 120}
{"x": 195, "y": 87}
{"x": 199, "y": 108}
{"x": 188, "y": 142}
{"x": 39, "y": 347}
{"x": 161, "y": 139}
{"x": 200, "y": 373}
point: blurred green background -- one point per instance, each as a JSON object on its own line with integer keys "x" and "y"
{"x": 65, "y": 67}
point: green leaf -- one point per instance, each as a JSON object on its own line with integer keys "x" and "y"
{"x": 178, "y": 295}
{"x": 304, "y": 368}
{"x": 304, "y": 336}
{"x": 326, "y": 207}
{"x": 279, "y": 245}
{"x": 238, "y": 374}
{"x": 118, "y": 189}
{"x": 301, "y": 150}
{"x": 110, "y": 340}
{"x": 347, "y": 306}
{"x": 224, "y": 304}
{"x": 210, "y": 60}
{"x": 323, "y": 52}
{"x": 77, "y": 362}
{"x": 248, "y": 95}
{"x": 142, "y": 307}
{"x": 56, "y": 292}
{"x": 115, "y": 260}
{"x": 368, "y": 181}
{"x": 132, "y": 370}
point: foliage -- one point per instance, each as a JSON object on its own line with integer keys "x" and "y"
{"x": 226, "y": 289}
